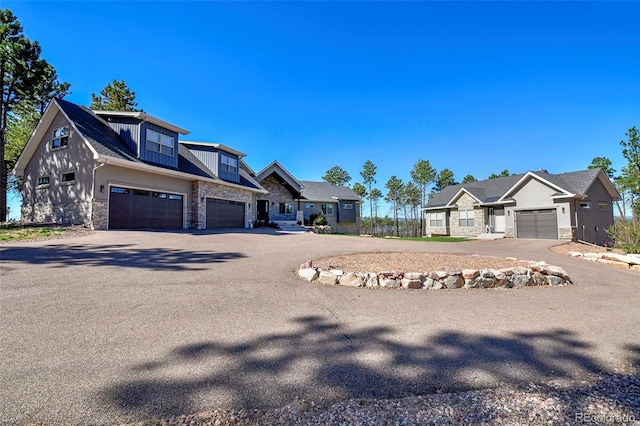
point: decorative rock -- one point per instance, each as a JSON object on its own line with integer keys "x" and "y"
{"x": 514, "y": 259}
{"x": 507, "y": 271}
{"x": 388, "y": 283}
{"x": 487, "y": 273}
{"x": 592, "y": 255}
{"x": 555, "y": 280}
{"x": 306, "y": 265}
{"x": 351, "y": 279}
{"x": 408, "y": 283}
{"x": 372, "y": 280}
{"x": 438, "y": 275}
{"x": 431, "y": 284}
{"x": 521, "y": 280}
{"x": 414, "y": 276}
{"x": 521, "y": 270}
{"x": 328, "y": 278}
{"x": 308, "y": 274}
{"x": 470, "y": 274}
{"x": 337, "y": 272}
{"x": 635, "y": 267}
{"x": 575, "y": 254}
{"x": 554, "y": 270}
{"x": 539, "y": 278}
{"x": 454, "y": 281}
{"x": 391, "y": 274}
{"x": 501, "y": 280}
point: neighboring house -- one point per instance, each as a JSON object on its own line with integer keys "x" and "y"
{"x": 129, "y": 170}
{"x": 566, "y": 206}
{"x": 291, "y": 200}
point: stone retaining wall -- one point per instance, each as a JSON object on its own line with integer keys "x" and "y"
{"x": 631, "y": 261}
{"x": 536, "y": 274}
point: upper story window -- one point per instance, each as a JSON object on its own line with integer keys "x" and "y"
{"x": 157, "y": 142}
{"x": 68, "y": 178}
{"x": 585, "y": 205}
{"x": 228, "y": 164}
{"x": 60, "y": 137}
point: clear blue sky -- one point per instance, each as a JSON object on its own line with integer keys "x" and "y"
{"x": 473, "y": 87}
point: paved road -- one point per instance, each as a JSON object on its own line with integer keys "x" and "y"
{"x": 124, "y": 326}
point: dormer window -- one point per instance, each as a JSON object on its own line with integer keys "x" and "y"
{"x": 229, "y": 164}
{"x": 157, "y": 142}
{"x": 60, "y": 137}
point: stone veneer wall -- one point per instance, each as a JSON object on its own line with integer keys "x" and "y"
{"x": 278, "y": 193}
{"x": 211, "y": 190}
{"x": 61, "y": 213}
{"x": 465, "y": 202}
{"x": 100, "y": 215}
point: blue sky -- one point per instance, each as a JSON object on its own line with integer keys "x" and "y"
{"x": 474, "y": 87}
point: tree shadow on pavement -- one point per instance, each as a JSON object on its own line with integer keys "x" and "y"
{"x": 324, "y": 362}
{"x": 117, "y": 255}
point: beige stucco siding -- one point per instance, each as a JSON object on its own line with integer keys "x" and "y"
{"x": 534, "y": 194}
{"x": 66, "y": 203}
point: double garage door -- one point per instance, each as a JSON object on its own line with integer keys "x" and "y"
{"x": 141, "y": 209}
{"x": 224, "y": 213}
{"x": 541, "y": 224}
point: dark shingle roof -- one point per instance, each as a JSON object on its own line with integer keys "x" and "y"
{"x": 97, "y": 132}
{"x": 106, "y": 142}
{"x": 491, "y": 190}
{"x": 324, "y": 191}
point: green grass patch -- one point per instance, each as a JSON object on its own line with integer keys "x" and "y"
{"x": 11, "y": 232}
{"x": 434, "y": 239}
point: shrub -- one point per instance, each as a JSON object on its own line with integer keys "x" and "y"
{"x": 320, "y": 220}
{"x": 626, "y": 235}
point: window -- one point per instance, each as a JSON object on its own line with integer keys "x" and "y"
{"x": 347, "y": 206}
{"x": 228, "y": 164}
{"x": 436, "y": 220}
{"x": 327, "y": 209}
{"x": 467, "y": 218}
{"x": 585, "y": 205}
{"x": 60, "y": 137}
{"x": 309, "y": 206}
{"x": 43, "y": 181}
{"x": 69, "y": 178}
{"x": 157, "y": 142}
{"x": 117, "y": 190}
{"x": 603, "y": 206}
{"x": 286, "y": 208}
{"x": 175, "y": 197}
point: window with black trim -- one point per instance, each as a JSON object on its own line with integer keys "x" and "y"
{"x": 603, "y": 205}
{"x": 68, "y": 178}
{"x": 228, "y": 164}
{"x": 157, "y": 142}
{"x": 286, "y": 208}
{"x": 60, "y": 137}
{"x": 327, "y": 209}
{"x": 43, "y": 181}
{"x": 585, "y": 205}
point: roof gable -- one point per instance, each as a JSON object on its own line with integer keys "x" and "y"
{"x": 276, "y": 167}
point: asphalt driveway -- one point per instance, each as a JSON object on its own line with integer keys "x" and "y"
{"x": 125, "y": 326}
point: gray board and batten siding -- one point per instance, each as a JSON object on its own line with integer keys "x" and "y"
{"x": 210, "y": 157}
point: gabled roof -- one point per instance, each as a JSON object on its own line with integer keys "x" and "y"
{"x": 217, "y": 146}
{"x": 324, "y": 191}
{"x": 108, "y": 147}
{"x": 143, "y": 116}
{"x": 283, "y": 174}
{"x": 500, "y": 190}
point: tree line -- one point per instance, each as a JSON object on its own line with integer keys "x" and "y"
{"x": 29, "y": 84}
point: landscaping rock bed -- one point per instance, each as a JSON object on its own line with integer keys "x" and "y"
{"x": 533, "y": 274}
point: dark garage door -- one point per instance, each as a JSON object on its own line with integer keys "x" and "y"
{"x": 541, "y": 224}
{"x": 224, "y": 213}
{"x": 139, "y": 209}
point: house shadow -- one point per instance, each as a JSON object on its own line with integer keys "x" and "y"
{"x": 118, "y": 255}
{"x": 324, "y": 362}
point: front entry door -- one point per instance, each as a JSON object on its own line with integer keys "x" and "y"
{"x": 263, "y": 210}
